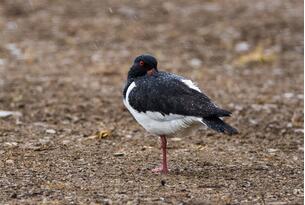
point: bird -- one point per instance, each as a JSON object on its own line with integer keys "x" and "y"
{"x": 165, "y": 104}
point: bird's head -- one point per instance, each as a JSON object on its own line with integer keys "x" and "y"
{"x": 142, "y": 65}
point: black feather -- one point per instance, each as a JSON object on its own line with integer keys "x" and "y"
{"x": 218, "y": 125}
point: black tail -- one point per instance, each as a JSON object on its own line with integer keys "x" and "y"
{"x": 218, "y": 125}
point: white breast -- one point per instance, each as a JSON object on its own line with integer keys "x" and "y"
{"x": 158, "y": 124}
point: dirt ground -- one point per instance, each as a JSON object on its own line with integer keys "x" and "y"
{"x": 62, "y": 69}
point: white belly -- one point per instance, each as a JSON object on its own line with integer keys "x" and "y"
{"x": 159, "y": 124}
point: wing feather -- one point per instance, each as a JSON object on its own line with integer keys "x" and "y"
{"x": 168, "y": 94}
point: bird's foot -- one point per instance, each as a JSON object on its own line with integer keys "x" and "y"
{"x": 161, "y": 169}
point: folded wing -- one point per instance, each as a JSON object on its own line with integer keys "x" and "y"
{"x": 169, "y": 94}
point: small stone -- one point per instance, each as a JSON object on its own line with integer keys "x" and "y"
{"x": 299, "y": 131}
{"x": 50, "y": 131}
{"x": 163, "y": 182}
{"x": 40, "y": 124}
{"x": 13, "y": 195}
{"x": 11, "y": 25}
{"x": 146, "y": 147}
{"x": 2, "y": 61}
{"x": 107, "y": 201}
{"x": 11, "y": 144}
{"x": 271, "y": 150}
{"x": 297, "y": 119}
{"x": 242, "y": 47}
{"x": 4, "y": 114}
{"x": 195, "y": 62}
{"x": 289, "y": 124}
{"x": 176, "y": 139}
{"x": 300, "y": 96}
{"x": 118, "y": 154}
{"x": 14, "y": 50}
{"x": 297, "y": 191}
{"x": 65, "y": 142}
{"x": 253, "y": 121}
{"x": 288, "y": 95}
{"x": 127, "y": 11}
{"x": 130, "y": 202}
{"x": 9, "y": 161}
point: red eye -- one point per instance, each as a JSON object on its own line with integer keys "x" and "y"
{"x": 141, "y": 63}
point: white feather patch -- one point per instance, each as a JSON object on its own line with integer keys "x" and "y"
{"x": 191, "y": 84}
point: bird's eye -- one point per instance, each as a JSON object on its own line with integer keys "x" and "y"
{"x": 141, "y": 63}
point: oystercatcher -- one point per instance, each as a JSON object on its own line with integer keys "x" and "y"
{"x": 166, "y": 104}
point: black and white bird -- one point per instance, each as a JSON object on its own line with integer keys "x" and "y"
{"x": 166, "y": 104}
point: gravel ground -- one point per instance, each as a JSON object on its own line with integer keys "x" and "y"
{"x": 70, "y": 140}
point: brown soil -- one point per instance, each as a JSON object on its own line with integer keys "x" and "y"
{"x": 63, "y": 65}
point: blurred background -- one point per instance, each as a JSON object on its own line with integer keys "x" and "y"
{"x": 66, "y": 136}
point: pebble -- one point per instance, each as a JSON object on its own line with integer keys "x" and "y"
{"x": 44, "y": 141}
{"x": 65, "y": 142}
{"x": 13, "y": 195}
{"x": 163, "y": 182}
{"x": 118, "y": 154}
{"x": 4, "y": 113}
{"x": 14, "y": 50}
{"x": 271, "y": 150}
{"x": 253, "y": 121}
{"x": 242, "y": 47}
{"x": 11, "y": 25}
{"x": 10, "y": 144}
{"x": 299, "y": 131}
{"x": 288, "y": 95}
{"x": 107, "y": 201}
{"x": 127, "y": 11}
{"x": 50, "y": 131}
{"x": 176, "y": 139}
{"x": 297, "y": 191}
{"x": 9, "y": 161}
{"x": 40, "y": 124}
{"x": 145, "y": 147}
{"x": 267, "y": 107}
{"x": 195, "y": 62}
{"x": 2, "y": 61}
{"x": 300, "y": 96}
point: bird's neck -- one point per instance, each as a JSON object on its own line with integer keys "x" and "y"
{"x": 131, "y": 76}
{"x": 151, "y": 72}
{"x": 133, "y": 73}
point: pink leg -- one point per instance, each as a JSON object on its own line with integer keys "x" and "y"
{"x": 163, "y": 168}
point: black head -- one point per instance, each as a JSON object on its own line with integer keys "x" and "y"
{"x": 146, "y": 61}
{"x": 143, "y": 65}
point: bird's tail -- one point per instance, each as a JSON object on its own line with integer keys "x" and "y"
{"x": 219, "y": 125}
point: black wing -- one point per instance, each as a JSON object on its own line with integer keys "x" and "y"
{"x": 166, "y": 93}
